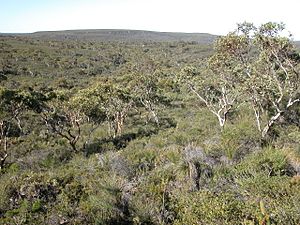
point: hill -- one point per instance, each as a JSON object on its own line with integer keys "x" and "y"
{"x": 123, "y": 36}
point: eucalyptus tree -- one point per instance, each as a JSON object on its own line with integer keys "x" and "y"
{"x": 147, "y": 89}
{"x": 62, "y": 119}
{"x": 13, "y": 104}
{"x": 276, "y": 74}
{"x": 255, "y": 65}
{"x": 106, "y": 101}
{"x": 216, "y": 81}
{"x": 270, "y": 65}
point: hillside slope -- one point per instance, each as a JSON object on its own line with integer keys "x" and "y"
{"x": 123, "y": 36}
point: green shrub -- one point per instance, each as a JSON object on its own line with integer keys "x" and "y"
{"x": 206, "y": 207}
{"x": 268, "y": 161}
{"x": 239, "y": 139}
{"x": 36, "y": 206}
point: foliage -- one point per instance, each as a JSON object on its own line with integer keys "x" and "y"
{"x": 106, "y": 133}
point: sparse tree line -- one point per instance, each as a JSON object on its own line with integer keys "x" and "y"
{"x": 64, "y": 113}
{"x": 257, "y": 66}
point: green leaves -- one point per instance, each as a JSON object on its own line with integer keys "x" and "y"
{"x": 271, "y": 29}
{"x": 258, "y": 65}
{"x": 104, "y": 102}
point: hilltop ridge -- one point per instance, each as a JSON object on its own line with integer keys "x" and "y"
{"x": 122, "y": 36}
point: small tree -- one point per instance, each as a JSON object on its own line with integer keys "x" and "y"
{"x": 271, "y": 72}
{"x": 218, "y": 85}
{"x": 108, "y": 102}
{"x": 278, "y": 66}
{"x": 147, "y": 90}
{"x": 215, "y": 86}
{"x": 89, "y": 103}
{"x": 13, "y": 103}
{"x": 10, "y": 110}
{"x": 62, "y": 119}
{"x": 255, "y": 65}
{"x": 117, "y": 106}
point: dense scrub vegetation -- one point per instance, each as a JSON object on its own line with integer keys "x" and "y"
{"x": 152, "y": 132}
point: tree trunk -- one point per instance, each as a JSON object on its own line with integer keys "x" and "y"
{"x": 257, "y": 117}
{"x": 119, "y": 122}
{"x": 2, "y": 160}
{"x": 221, "y": 122}
{"x": 270, "y": 124}
{"x": 221, "y": 119}
{"x": 19, "y": 125}
{"x": 5, "y": 155}
{"x": 155, "y": 117}
{"x": 73, "y": 145}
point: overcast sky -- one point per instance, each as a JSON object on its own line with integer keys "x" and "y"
{"x": 211, "y": 16}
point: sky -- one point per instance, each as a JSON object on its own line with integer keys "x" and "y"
{"x": 193, "y": 16}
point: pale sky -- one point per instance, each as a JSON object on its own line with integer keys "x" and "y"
{"x": 212, "y": 16}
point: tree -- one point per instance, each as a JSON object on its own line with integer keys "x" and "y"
{"x": 105, "y": 101}
{"x": 259, "y": 66}
{"x": 11, "y": 106}
{"x": 216, "y": 85}
{"x": 269, "y": 64}
{"x": 89, "y": 102}
{"x": 63, "y": 119}
{"x": 13, "y": 103}
{"x": 278, "y": 69}
{"x": 147, "y": 90}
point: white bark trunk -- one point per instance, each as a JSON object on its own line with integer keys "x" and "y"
{"x": 270, "y": 123}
